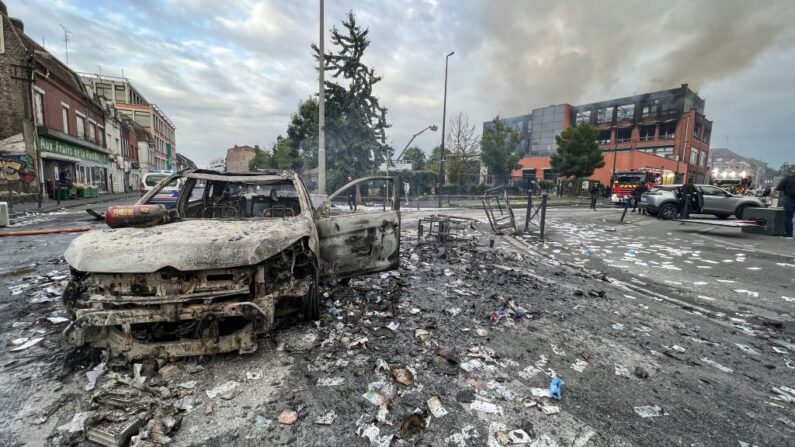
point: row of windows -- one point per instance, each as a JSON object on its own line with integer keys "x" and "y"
{"x": 85, "y": 129}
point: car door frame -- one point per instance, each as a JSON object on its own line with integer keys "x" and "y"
{"x": 358, "y": 243}
{"x": 712, "y": 202}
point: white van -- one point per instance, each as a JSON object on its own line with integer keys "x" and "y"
{"x": 168, "y": 195}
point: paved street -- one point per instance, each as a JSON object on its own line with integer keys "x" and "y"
{"x": 625, "y": 314}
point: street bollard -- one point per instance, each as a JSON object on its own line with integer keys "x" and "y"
{"x": 686, "y": 208}
{"x": 418, "y": 202}
{"x": 58, "y": 195}
{"x": 624, "y": 214}
{"x": 543, "y": 221}
{"x": 529, "y": 211}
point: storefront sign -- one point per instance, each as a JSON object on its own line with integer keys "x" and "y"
{"x": 47, "y": 144}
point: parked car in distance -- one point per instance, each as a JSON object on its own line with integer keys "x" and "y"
{"x": 664, "y": 201}
{"x": 168, "y": 194}
{"x": 211, "y": 273}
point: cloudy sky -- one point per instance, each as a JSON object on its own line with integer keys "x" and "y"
{"x": 232, "y": 72}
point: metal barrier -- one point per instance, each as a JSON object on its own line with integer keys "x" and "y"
{"x": 532, "y": 211}
{"x": 499, "y": 197}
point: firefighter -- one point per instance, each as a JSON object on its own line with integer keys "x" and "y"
{"x": 636, "y": 194}
{"x": 689, "y": 189}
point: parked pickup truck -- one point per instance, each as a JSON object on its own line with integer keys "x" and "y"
{"x": 211, "y": 273}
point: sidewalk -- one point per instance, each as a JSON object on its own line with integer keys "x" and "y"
{"x": 48, "y": 205}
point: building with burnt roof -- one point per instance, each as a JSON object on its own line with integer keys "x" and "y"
{"x": 665, "y": 131}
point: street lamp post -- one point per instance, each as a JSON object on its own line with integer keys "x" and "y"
{"x": 440, "y": 179}
{"x": 321, "y": 105}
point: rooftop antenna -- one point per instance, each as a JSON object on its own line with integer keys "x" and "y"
{"x": 66, "y": 36}
{"x": 43, "y": 42}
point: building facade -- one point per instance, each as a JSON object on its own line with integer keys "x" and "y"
{"x": 129, "y": 101}
{"x": 53, "y": 128}
{"x": 238, "y": 158}
{"x": 664, "y": 131}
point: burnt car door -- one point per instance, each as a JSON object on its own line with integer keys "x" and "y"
{"x": 359, "y": 228}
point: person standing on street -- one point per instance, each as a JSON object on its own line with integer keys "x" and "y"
{"x": 406, "y": 191}
{"x": 688, "y": 193}
{"x": 636, "y": 194}
{"x": 351, "y": 195}
{"x": 786, "y": 193}
{"x": 594, "y": 191}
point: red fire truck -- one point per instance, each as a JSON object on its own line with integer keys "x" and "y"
{"x": 623, "y": 183}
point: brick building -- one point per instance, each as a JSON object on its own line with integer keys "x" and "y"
{"x": 54, "y": 129}
{"x": 238, "y": 158}
{"x": 18, "y": 161}
{"x": 129, "y": 101}
{"x": 665, "y": 131}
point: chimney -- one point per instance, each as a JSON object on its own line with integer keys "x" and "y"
{"x": 17, "y": 23}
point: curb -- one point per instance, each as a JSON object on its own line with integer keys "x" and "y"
{"x": 67, "y": 205}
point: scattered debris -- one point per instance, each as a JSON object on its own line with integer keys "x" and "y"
{"x": 555, "y": 387}
{"x": 254, "y": 375}
{"x": 77, "y": 422}
{"x": 710, "y": 362}
{"x": 287, "y": 417}
{"x": 326, "y": 419}
{"x": 435, "y": 407}
{"x": 403, "y": 376}
{"x": 226, "y": 391}
{"x": 330, "y": 381}
{"x": 550, "y": 409}
{"x": 28, "y": 343}
{"x": 649, "y": 411}
{"x": 93, "y": 375}
{"x": 485, "y": 407}
{"x": 621, "y": 370}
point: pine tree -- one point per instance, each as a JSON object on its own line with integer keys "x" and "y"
{"x": 355, "y": 120}
{"x": 578, "y": 154}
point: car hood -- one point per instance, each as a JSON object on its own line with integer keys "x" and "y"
{"x": 186, "y": 245}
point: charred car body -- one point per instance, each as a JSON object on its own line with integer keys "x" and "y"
{"x": 211, "y": 274}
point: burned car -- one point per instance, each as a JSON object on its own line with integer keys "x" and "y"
{"x": 210, "y": 274}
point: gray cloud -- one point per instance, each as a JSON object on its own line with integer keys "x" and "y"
{"x": 233, "y": 72}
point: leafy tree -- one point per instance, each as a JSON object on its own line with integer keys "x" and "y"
{"x": 286, "y": 155}
{"x": 498, "y": 150}
{"x": 355, "y": 120}
{"x": 416, "y": 156}
{"x": 462, "y": 156}
{"x": 578, "y": 154}
{"x": 785, "y": 169}
{"x": 432, "y": 164}
{"x": 303, "y": 131}
{"x": 261, "y": 160}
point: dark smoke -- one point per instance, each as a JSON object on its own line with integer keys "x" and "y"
{"x": 543, "y": 53}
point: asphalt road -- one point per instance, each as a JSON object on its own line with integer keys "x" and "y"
{"x": 633, "y": 315}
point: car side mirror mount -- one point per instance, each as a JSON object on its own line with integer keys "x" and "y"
{"x": 324, "y": 209}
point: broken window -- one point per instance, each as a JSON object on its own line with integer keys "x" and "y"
{"x": 625, "y": 112}
{"x": 648, "y": 111}
{"x": 623, "y": 134}
{"x": 694, "y": 156}
{"x": 669, "y": 108}
{"x": 244, "y": 199}
{"x": 604, "y": 136}
{"x": 647, "y": 133}
{"x": 697, "y": 129}
{"x": 584, "y": 117}
{"x": 604, "y": 115}
{"x": 664, "y": 152}
{"x": 367, "y": 196}
{"x": 667, "y": 130}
